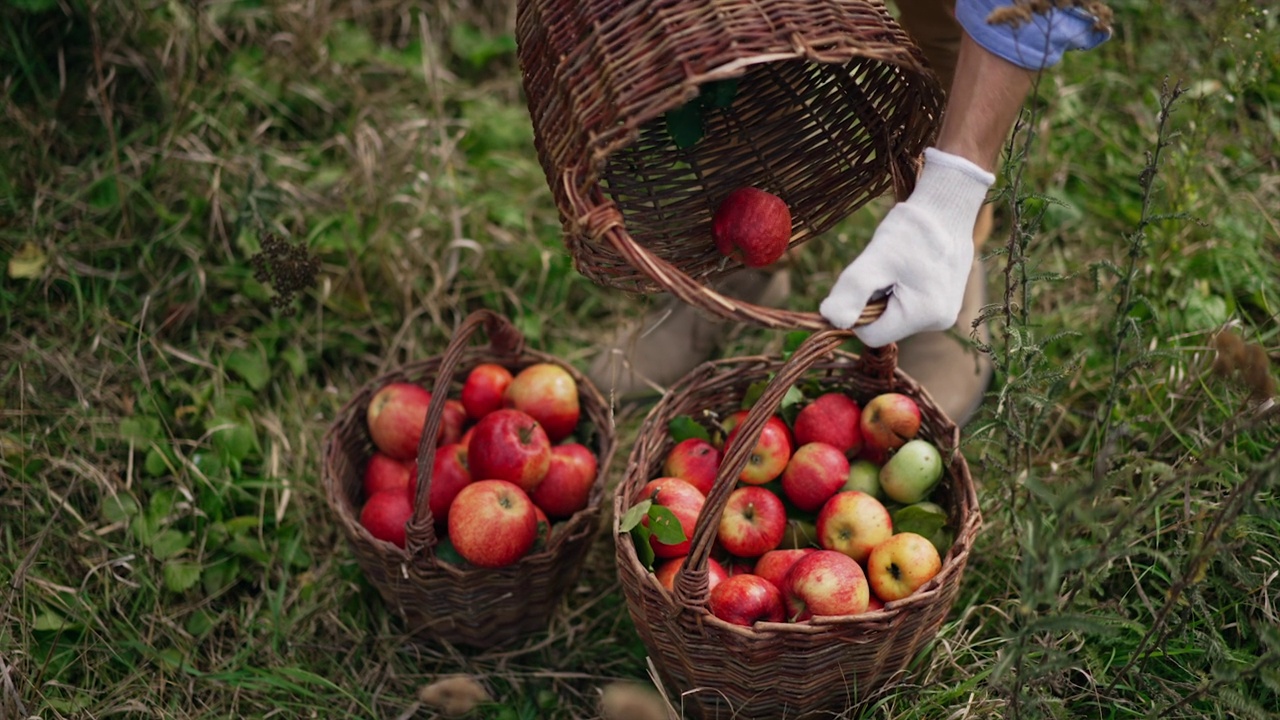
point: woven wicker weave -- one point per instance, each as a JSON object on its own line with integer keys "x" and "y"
{"x": 777, "y": 670}
{"x": 477, "y": 607}
{"x": 833, "y": 107}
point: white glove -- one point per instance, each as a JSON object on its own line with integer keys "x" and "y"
{"x": 920, "y": 255}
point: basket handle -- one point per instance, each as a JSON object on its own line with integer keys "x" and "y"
{"x": 601, "y": 218}
{"x": 505, "y": 340}
{"x": 690, "y": 584}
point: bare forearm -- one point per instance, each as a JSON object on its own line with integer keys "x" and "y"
{"x": 983, "y": 104}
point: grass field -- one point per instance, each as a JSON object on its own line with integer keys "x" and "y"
{"x": 165, "y": 548}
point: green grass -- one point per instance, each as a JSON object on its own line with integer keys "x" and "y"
{"x": 166, "y": 550}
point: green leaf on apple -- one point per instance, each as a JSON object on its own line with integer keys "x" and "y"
{"x": 665, "y": 526}
{"x": 685, "y": 125}
{"x": 632, "y": 517}
{"x": 640, "y": 534}
{"x": 446, "y": 553}
{"x": 926, "y": 519}
{"x": 753, "y": 393}
{"x": 683, "y": 427}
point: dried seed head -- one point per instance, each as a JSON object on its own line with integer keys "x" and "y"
{"x": 288, "y": 268}
{"x": 630, "y": 701}
{"x": 1020, "y": 12}
{"x": 1255, "y": 372}
{"x": 454, "y": 695}
{"x": 1229, "y": 350}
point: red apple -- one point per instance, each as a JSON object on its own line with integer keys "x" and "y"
{"x": 449, "y": 474}
{"x": 566, "y": 488}
{"x": 746, "y": 600}
{"x": 775, "y": 564}
{"x": 492, "y": 523}
{"x": 544, "y": 530}
{"x": 695, "y": 460}
{"x": 666, "y": 572}
{"x": 888, "y": 421}
{"x": 825, "y": 582}
{"x": 549, "y": 394}
{"x": 452, "y": 422}
{"x": 770, "y": 455}
{"x": 484, "y": 389}
{"x": 684, "y": 501}
{"x": 509, "y": 445}
{"x": 465, "y": 440}
{"x": 874, "y": 603}
{"x": 898, "y": 566}
{"x": 395, "y": 418}
{"x": 753, "y": 522}
{"x": 752, "y": 226}
{"x": 815, "y": 472}
{"x": 853, "y": 522}
{"x": 833, "y": 418}
{"x": 385, "y": 513}
{"x": 384, "y": 472}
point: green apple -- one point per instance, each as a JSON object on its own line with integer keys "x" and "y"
{"x": 913, "y": 471}
{"x": 864, "y": 475}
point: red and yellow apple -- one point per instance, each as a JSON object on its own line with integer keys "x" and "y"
{"x": 900, "y": 565}
{"x": 492, "y": 523}
{"x": 509, "y": 445}
{"x": 852, "y": 523}
{"x": 566, "y": 488}
{"x": 753, "y": 522}
{"x": 775, "y": 564}
{"x": 667, "y": 569}
{"x": 395, "y": 417}
{"x": 746, "y": 600}
{"x": 684, "y": 501}
{"x": 770, "y": 455}
{"x": 889, "y": 420}
{"x": 832, "y": 418}
{"x": 694, "y": 460}
{"x": 484, "y": 389}
{"x": 549, "y": 394}
{"x": 815, "y": 472}
{"x": 825, "y": 582}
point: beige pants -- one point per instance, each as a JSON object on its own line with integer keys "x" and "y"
{"x": 932, "y": 24}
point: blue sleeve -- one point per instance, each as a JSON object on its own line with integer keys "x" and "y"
{"x": 1035, "y": 44}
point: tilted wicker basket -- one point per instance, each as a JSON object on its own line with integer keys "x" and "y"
{"x": 833, "y": 107}
{"x": 477, "y": 607}
{"x": 773, "y": 670}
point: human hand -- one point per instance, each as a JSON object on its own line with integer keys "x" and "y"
{"x": 920, "y": 255}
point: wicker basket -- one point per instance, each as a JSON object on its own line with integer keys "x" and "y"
{"x": 471, "y": 606}
{"x": 775, "y": 670}
{"x": 833, "y": 107}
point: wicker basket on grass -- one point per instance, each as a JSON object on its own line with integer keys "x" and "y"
{"x": 825, "y": 103}
{"x": 818, "y": 667}
{"x": 437, "y": 599}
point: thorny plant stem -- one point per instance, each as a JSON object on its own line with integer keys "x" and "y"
{"x": 1124, "y": 326}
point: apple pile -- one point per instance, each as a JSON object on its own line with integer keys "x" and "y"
{"x": 506, "y": 466}
{"x": 830, "y": 516}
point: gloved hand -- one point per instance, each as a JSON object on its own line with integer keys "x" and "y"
{"x": 920, "y": 255}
